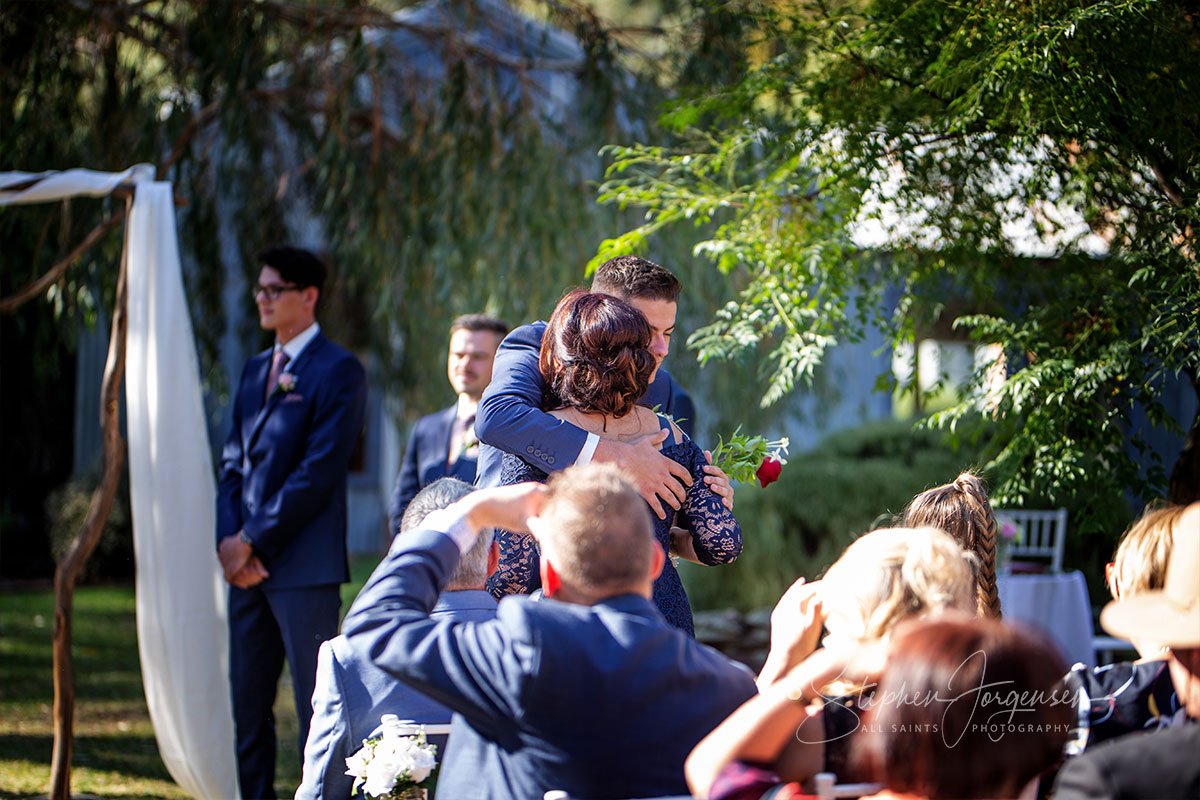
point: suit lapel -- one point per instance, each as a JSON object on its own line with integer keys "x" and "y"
{"x": 448, "y": 417}
{"x": 295, "y": 368}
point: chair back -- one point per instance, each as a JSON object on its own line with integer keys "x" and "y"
{"x": 829, "y": 789}
{"x": 1042, "y": 534}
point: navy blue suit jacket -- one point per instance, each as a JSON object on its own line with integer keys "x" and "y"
{"x": 510, "y": 418}
{"x": 601, "y": 701}
{"x": 425, "y": 461}
{"x": 284, "y": 465}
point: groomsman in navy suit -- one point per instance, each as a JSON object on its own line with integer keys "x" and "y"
{"x": 444, "y": 444}
{"x": 281, "y": 506}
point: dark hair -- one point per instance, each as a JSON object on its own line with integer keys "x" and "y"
{"x": 630, "y": 276}
{"x": 479, "y": 322}
{"x": 595, "y": 354}
{"x": 962, "y": 510}
{"x": 939, "y": 724}
{"x": 295, "y": 265}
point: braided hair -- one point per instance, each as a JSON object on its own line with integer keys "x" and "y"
{"x": 962, "y": 509}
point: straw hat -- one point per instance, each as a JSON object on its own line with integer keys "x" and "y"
{"x": 1169, "y": 616}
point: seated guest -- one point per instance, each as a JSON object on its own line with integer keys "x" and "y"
{"x": 596, "y": 362}
{"x": 1161, "y": 763}
{"x": 930, "y": 732}
{"x": 962, "y": 510}
{"x": 884, "y": 578}
{"x": 589, "y": 690}
{"x": 352, "y": 694}
{"x": 1115, "y": 699}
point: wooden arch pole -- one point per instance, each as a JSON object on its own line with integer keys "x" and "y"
{"x": 66, "y": 574}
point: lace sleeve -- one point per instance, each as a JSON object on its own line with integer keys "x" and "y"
{"x": 716, "y": 534}
{"x": 517, "y": 571}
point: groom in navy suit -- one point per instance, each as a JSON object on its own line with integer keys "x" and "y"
{"x": 443, "y": 444}
{"x": 511, "y": 420}
{"x": 281, "y": 506}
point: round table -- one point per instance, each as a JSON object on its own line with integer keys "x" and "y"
{"x": 1055, "y": 602}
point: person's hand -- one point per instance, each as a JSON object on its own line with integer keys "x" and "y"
{"x": 233, "y": 554}
{"x": 250, "y": 575}
{"x": 718, "y": 481}
{"x": 508, "y": 507}
{"x": 654, "y": 475}
{"x": 796, "y": 625}
{"x": 859, "y": 664}
{"x": 682, "y": 546}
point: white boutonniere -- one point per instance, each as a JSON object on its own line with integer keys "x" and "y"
{"x": 286, "y": 384}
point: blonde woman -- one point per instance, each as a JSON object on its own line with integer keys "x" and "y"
{"x": 962, "y": 509}
{"x": 884, "y": 578}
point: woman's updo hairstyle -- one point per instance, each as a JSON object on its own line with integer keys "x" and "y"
{"x": 893, "y": 574}
{"x": 595, "y": 354}
{"x": 962, "y": 510}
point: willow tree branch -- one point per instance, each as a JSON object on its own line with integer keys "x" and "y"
{"x": 11, "y": 303}
{"x": 186, "y": 135}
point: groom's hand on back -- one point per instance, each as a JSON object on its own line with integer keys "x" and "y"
{"x": 658, "y": 479}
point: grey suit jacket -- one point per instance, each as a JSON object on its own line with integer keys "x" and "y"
{"x": 352, "y": 694}
{"x": 601, "y": 701}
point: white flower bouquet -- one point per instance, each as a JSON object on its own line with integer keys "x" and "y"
{"x": 393, "y": 766}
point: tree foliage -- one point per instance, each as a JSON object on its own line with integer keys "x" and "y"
{"x": 437, "y": 174}
{"x": 1028, "y": 171}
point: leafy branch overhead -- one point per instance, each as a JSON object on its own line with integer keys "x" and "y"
{"x": 1020, "y": 174}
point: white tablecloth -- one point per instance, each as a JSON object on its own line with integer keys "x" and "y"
{"x": 1057, "y": 603}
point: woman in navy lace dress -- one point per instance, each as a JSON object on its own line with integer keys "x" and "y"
{"x": 596, "y": 362}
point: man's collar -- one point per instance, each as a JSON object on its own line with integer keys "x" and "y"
{"x": 298, "y": 342}
{"x": 466, "y": 407}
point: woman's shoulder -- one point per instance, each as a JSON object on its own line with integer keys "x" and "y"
{"x": 677, "y": 435}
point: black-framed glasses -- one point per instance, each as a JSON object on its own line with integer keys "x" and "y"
{"x": 272, "y": 291}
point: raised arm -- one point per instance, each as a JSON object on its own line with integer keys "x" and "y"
{"x": 474, "y": 668}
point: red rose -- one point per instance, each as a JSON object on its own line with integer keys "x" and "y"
{"x": 768, "y": 471}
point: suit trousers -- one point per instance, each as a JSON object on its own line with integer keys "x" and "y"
{"x": 265, "y": 627}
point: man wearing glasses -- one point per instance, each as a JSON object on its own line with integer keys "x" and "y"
{"x": 281, "y": 506}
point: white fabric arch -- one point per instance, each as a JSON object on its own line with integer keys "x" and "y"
{"x": 183, "y": 639}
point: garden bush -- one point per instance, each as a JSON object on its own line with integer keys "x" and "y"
{"x": 856, "y": 480}
{"x": 67, "y": 508}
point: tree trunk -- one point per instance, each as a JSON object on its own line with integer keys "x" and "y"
{"x": 68, "y": 569}
{"x": 1185, "y": 477}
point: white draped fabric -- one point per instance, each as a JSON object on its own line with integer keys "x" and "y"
{"x": 181, "y": 621}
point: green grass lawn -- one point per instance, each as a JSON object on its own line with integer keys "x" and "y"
{"x": 115, "y": 753}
